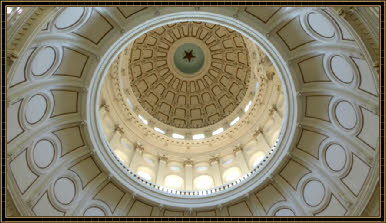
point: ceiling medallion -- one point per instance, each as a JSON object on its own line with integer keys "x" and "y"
{"x": 189, "y": 58}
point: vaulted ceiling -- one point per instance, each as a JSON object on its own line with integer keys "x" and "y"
{"x": 329, "y": 164}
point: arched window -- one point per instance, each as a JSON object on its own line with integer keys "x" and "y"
{"x": 145, "y": 173}
{"x": 232, "y": 174}
{"x": 126, "y": 144}
{"x": 257, "y": 158}
{"x": 122, "y": 156}
{"x": 173, "y": 182}
{"x": 203, "y": 182}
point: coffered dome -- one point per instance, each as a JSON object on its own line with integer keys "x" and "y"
{"x": 190, "y": 74}
{"x": 150, "y": 79}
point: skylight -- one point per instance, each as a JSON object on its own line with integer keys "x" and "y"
{"x": 234, "y": 121}
{"x": 247, "y": 107}
{"x": 198, "y": 136}
{"x": 159, "y": 130}
{"x": 218, "y": 131}
{"x": 142, "y": 119}
{"x": 177, "y": 136}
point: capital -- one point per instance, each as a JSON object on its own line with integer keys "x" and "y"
{"x": 258, "y": 132}
{"x": 272, "y": 110}
{"x": 188, "y": 162}
{"x": 119, "y": 129}
{"x": 139, "y": 147}
{"x": 237, "y": 148}
{"x": 106, "y": 107}
{"x": 163, "y": 158}
{"x": 214, "y": 159}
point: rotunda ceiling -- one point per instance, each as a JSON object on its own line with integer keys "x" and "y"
{"x": 190, "y": 74}
{"x": 192, "y": 93}
{"x": 80, "y": 157}
{"x": 129, "y": 95}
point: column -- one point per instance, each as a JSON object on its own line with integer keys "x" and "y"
{"x": 259, "y": 137}
{"x": 161, "y": 170}
{"x": 137, "y": 154}
{"x": 246, "y": 157}
{"x": 103, "y": 110}
{"x": 241, "y": 159}
{"x": 276, "y": 116}
{"x": 188, "y": 164}
{"x": 215, "y": 171}
{"x": 115, "y": 138}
